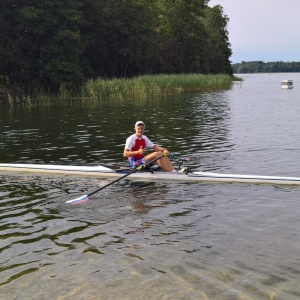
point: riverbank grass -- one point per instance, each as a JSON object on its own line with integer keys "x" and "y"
{"x": 148, "y": 86}
{"x": 136, "y": 88}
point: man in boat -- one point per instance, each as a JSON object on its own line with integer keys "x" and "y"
{"x": 135, "y": 150}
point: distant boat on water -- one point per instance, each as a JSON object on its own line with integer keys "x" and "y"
{"x": 287, "y": 84}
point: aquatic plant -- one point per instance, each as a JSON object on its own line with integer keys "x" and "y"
{"x": 122, "y": 89}
{"x": 146, "y": 86}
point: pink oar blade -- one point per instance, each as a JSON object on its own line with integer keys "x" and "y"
{"x": 78, "y": 200}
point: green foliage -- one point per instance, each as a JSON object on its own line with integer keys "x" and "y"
{"x": 262, "y": 67}
{"x": 147, "y": 86}
{"x": 138, "y": 88}
{"x": 47, "y": 44}
{"x": 218, "y": 49}
{"x": 43, "y": 45}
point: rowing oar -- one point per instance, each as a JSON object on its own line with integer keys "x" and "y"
{"x": 86, "y": 197}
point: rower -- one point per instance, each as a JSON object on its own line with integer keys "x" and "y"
{"x": 135, "y": 150}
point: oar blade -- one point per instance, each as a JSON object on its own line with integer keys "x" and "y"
{"x": 78, "y": 200}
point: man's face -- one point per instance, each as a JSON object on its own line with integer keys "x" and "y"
{"x": 139, "y": 130}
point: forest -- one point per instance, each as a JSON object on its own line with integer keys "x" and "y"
{"x": 268, "y": 67}
{"x": 47, "y": 44}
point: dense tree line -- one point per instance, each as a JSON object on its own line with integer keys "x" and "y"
{"x": 48, "y": 43}
{"x": 262, "y": 67}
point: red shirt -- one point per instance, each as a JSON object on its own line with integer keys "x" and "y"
{"x": 133, "y": 143}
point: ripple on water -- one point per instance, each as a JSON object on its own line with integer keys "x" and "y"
{"x": 155, "y": 240}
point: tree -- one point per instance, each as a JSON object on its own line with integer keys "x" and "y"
{"x": 49, "y": 43}
{"x": 119, "y": 35}
{"x": 45, "y": 43}
{"x": 218, "y": 48}
{"x": 181, "y": 36}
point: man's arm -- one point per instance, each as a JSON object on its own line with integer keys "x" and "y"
{"x": 158, "y": 148}
{"x": 128, "y": 153}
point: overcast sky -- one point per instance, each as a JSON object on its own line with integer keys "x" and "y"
{"x": 267, "y": 30}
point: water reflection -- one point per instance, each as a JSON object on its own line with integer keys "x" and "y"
{"x": 90, "y": 134}
{"x": 155, "y": 232}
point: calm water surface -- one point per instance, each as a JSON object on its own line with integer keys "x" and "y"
{"x": 139, "y": 240}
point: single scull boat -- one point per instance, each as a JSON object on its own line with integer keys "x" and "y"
{"x": 107, "y": 172}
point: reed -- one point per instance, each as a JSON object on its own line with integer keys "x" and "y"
{"x": 136, "y": 88}
{"x": 147, "y": 86}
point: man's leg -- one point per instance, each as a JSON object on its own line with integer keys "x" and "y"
{"x": 163, "y": 162}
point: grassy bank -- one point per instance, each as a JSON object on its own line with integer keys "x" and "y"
{"x": 148, "y": 86}
{"x": 137, "y": 88}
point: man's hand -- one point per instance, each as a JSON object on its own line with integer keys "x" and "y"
{"x": 141, "y": 151}
{"x": 140, "y": 168}
{"x": 166, "y": 152}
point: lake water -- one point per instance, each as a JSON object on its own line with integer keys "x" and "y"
{"x": 138, "y": 240}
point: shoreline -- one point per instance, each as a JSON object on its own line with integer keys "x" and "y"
{"x": 140, "y": 87}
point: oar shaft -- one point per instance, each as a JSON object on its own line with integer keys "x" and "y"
{"x": 86, "y": 197}
{"x": 120, "y": 178}
{"x": 104, "y": 186}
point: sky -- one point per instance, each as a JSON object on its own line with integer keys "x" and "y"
{"x": 265, "y": 30}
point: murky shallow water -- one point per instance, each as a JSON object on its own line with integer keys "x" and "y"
{"x": 139, "y": 240}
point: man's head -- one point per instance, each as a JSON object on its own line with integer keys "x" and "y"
{"x": 139, "y": 123}
{"x": 139, "y": 128}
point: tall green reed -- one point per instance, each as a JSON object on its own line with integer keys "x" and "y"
{"x": 136, "y": 88}
{"x": 147, "y": 86}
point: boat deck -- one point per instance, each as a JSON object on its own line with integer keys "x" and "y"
{"x": 105, "y": 172}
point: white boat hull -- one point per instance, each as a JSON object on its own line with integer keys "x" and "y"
{"x": 104, "y": 172}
